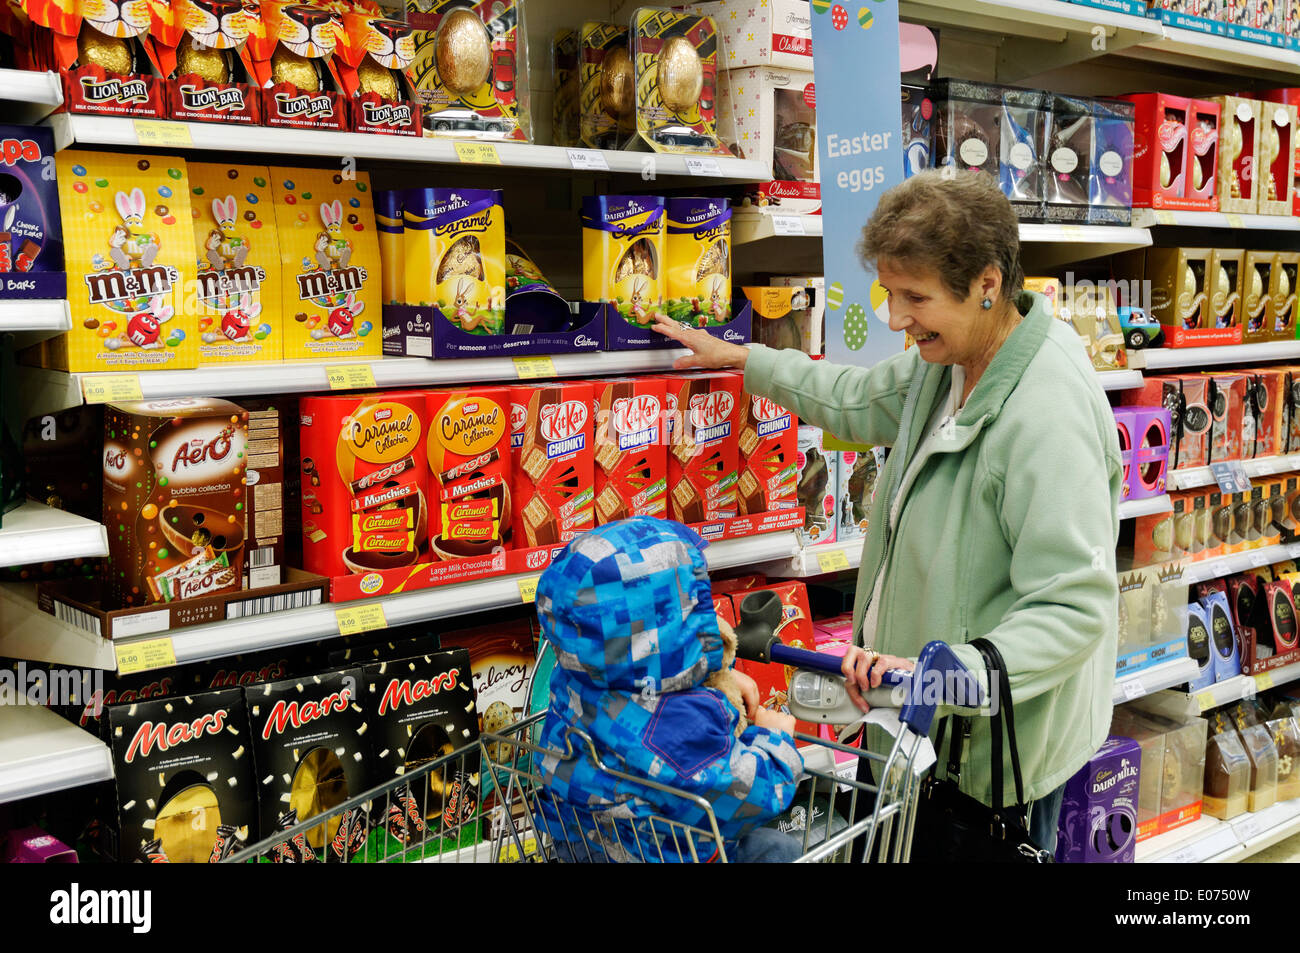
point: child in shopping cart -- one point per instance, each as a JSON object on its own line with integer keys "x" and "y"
{"x": 629, "y": 612}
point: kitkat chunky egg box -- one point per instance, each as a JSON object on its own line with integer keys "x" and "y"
{"x": 703, "y": 413}
{"x": 129, "y": 243}
{"x": 238, "y": 263}
{"x": 551, "y": 441}
{"x": 330, "y": 268}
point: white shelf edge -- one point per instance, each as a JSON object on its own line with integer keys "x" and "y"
{"x": 1168, "y": 358}
{"x": 807, "y": 560}
{"x": 113, "y": 131}
{"x": 1057, "y": 13}
{"x": 1123, "y": 235}
{"x": 1210, "y": 840}
{"x": 1119, "y": 380}
{"x": 748, "y": 227}
{"x": 29, "y": 95}
{"x": 1191, "y": 477}
{"x": 41, "y": 752}
{"x": 1150, "y": 218}
{"x": 44, "y": 315}
{"x": 35, "y": 534}
{"x": 1204, "y": 569}
{"x": 1130, "y": 509}
{"x": 1157, "y": 678}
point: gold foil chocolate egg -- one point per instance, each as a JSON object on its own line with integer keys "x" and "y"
{"x": 289, "y": 67}
{"x": 1222, "y": 286}
{"x": 374, "y": 78}
{"x": 1198, "y": 176}
{"x": 1283, "y": 285}
{"x": 212, "y": 65}
{"x": 462, "y": 52}
{"x": 111, "y": 52}
{"x": 1256, "y": 291}
{"x": 680, "y": 74}
{"x": 1166, "y": 175}
{"x": 617, "y": 86}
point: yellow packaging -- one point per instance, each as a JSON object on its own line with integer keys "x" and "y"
{"x": 330, "y": 269}
{"x": 623, "y": 253}
{"x": 419, "y": 247}
{"x": 392, "y": 236}
{"x": 470, "y": 251}
{"x": 238, "y": 264}
{"x": 129, "y": 247}
{"x": 698, "y": 242}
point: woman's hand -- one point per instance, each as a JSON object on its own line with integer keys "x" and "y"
{"x": 748, "y": 691}
{"x": 774, "y": 721}
{"x": 864, "y": 670}
{"x": 710, "y": 352}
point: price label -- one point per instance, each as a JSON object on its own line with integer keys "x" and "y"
{"x": 588, "y": 160}
{"x": 100, "y": 389}
{"x": 833, "y": 561}
{"x": 1264, "y": 681}
{"x": 1132, "y": 689}
{"x": 1073, "y": 233}
{"x": 1249, "y": 828}
{"x": 1164, "y": 218}
{"x": 530, "y": 367}
{"x": 787, "y": 225}
{"x": 354, "y": 620}
{"x": 702, "y": 165}
{"x": 1188, "y": 855}
{"x": 1231, "y": 476}
{"x": 477, "y": 153}
{"x": 528, "y": 589}
{"x": 1258, "y": 559}
{"x": 144, "y": 656}
{"x": 1221, "y": 568}
{"x": 1206, "y": 700}
{"x": 170, "y": 135}
{"x": 350, "y": 376}
{"x": 1234, "y": 221}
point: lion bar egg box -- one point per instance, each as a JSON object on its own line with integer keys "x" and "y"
{"x": 296, "y": 63}
{"x": 375, "y": 55}
{"x": 204, "y": 53}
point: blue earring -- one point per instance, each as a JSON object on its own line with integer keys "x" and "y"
{"x": 986, "y": 304}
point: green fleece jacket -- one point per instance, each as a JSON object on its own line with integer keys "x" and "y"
{"x": 1006, "y": 526}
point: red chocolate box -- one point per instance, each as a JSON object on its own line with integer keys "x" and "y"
{"x": 768, "y": 446}
{"x": 796, "y": 631}
{"x": 470, "y": 471}
{"x": 551, "y": 452}
{"x": 202, "y": 48}
{"x": 374, "y": 54}
{"x": 295, "y": 63}
{"x": 704, "y": 447}
{"x": 631, "y": 460}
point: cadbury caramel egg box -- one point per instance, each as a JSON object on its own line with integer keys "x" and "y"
{"x": 623, "y": 254}
{"x": 698, "y": 246}
{"x": 238, "y": 263}
{"x": 330, "y": 269}
{"x": 129, "y": 247}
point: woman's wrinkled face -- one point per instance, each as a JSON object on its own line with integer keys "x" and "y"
{"x": 947, "y": 330}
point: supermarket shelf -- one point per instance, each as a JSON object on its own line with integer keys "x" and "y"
{"x": 747, "y": 227}
{"x": 1156, "y": 504}
{"x": 1120, "y": 236}
{"x": 1191, "y": 477}
{"x": 1222, "y": 54}
{"x": 26, "y": 632}
{"x": 111, "y": 131}
{"x": 1150, "y": 218}
{"x": 35, "y": 534}
{"x": 34, "y": 319}
{"x": 817, "y": 560}
{"x": 1119, "y": 380}
{"x": 1239, "y": 562}
{"x": 1166, "y": 358}
{"x": 41, "y": 752}
{"x": 58, "y": 390}
{"x": 1244, "y": 686}
{"x": 1211, "y": 841}
{"x": 29, "y": 96}
{"x": 1154, "y": 679}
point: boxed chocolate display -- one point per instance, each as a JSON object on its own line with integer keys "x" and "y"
{"x": 31, "y": 233}
{"x": 1180, "y": 292}
{"x": 295, "y": 61}
{"x": 1226, "y": 269}
{"x": 1161, "y": 144}
{"x": 697, "y": 247}
{"x": 203, "y": 52}
{"x": 675, "y": 65}
{"x": 1277, "y": 151}
{"x": 816, "y": 487}
{"x": 773, "y": 118}
{"x": 703, "y": 447}
{"x": 967, "y": 130}
{"x": 173, "y": 498}
{"x": 470, "y": 260}
{"x": 501, "y": 658}
{"x": 786, "y": 317}
{"x": 768, "y": 472}
{"x": 623, "y": 254}
{"x": 374, "y": 54}
{"x": 855, "y": 485}
{"x": 1110, "y": 192}
{"x": 1223, "y": 637}
{"x": 270, "y": 503}
{"x": 312, "y": 754}
{"x": 470, "y": 471}
{"x": 1239, "y": 153}
{"x": 777, "y": 33}
{"x": 1258, "y": 318}
{"x": 1203, "y": 152}
{"x": 1285, "y": 275}
{"x": 1098, "y": 823}
{"x": 185, "y": 778}
{"x": 1067, "y": 149}
{"x": 1023, "y": 171}
{"x": 1259, "y": 746}
{"x": 1227, "y": 776}
{"x": 607, "y": 93}
{"x": 552, "y": 457}
{"x": 631, "y": 456}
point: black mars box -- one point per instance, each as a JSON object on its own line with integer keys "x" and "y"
{"x": 186, "y": 786}
{"x": 309, "y": 740}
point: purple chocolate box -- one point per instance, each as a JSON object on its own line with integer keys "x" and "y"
{"x": 31, "y": 236}
{"x": 1099, "y": 814}
{"x": 31, "y": 845}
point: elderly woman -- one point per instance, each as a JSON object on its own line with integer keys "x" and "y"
{"x": 995, "y": 515}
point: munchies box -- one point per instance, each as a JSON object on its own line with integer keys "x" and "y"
{"x": 703, "y": 414}
{"x": 365, "y": 482}
{"x": 551, "y": 449}
{"x": 186, "y": 789}
{"x": 631, "y": 460}
{"x": 174, "y": 498}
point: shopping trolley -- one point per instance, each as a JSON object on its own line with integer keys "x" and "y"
{"x": 488, "y": 803}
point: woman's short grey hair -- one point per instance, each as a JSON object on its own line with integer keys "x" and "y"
{"x": 955, "y": 224}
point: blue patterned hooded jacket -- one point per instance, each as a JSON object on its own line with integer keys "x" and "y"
{"x": 629, "y": 613}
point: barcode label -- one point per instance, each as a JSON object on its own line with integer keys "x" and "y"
{"x": 278, "y": 603}
{"x": 82, "y": 620}
{"x": 260, "y": 558}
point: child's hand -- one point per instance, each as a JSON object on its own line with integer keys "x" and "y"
{"x": 748, "y": 691}
{"x": 774, "y": 721}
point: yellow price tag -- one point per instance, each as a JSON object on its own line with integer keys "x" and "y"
{"x": 528, "y": 589}
{"x": 527, "y": 367}
{"x": 354, "y": 620}
{"x": 1234, "y": 221}
{"x": 833, "y": 561}
{"x": 479, "y": 153}
{"x": 144, "y": 656}
{"x": 102, "y": 388}
{"x": 1264, "y": 681}
{"x": 1164, "y": 218}
{"x": 1205, "y": 700}
{"x": 350, "y": 376}
{"x": 1073, "y": 233}
{"x": 151, "y": 132}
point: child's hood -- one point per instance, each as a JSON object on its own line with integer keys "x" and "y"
{"x": 629, "y": 606}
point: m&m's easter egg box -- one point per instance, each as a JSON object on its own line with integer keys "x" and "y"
{"x": 129, "y": 243}
{"x": 238, "y": 263}
{"x": 329, "y": 274}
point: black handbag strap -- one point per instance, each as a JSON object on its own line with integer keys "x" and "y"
{"x": 993, "y": 663}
